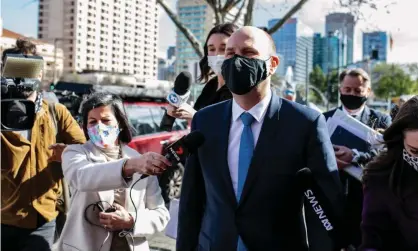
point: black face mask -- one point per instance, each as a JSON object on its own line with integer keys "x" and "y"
{"x": 352, "y": 102}
{"x": 242, "y": 74}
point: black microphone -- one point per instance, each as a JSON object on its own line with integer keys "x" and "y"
{"x": 185, "y": 145}
{"x": 177, "y": 97}
{"x": 320, "y": 204}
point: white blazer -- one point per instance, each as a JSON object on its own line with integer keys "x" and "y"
{"x": 91, "y": 179}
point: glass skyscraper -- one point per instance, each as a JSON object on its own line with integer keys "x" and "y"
{"x": 375, "y": 41}
{"x": 343, "y": 24}
{"x": 327, "y": 53}
{"x": 294, "y": 42}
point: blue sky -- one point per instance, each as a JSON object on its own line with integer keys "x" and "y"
{"x": 22, "y": 16}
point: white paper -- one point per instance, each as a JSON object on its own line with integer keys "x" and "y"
{"x": 354, "y": 171}
{"x": 357, "y": 128}
{"x": 171, "y": 229}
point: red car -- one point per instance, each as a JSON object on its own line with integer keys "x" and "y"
{"x": 145, "y": 118}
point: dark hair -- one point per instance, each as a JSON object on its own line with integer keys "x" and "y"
{"x": 390, "y": 163}
{"x": 104, "y": 99}
{"x": 357, "y": 72}
{"x": 226, "y": 29}
{"x": 23, "y": 46}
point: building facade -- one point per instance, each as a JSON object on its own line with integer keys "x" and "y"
{"x": 199, "y": 17}
{"x": 47, "y": 51}
{"x": 327, "y": 53}
{"x": 342, "y": 25}
{"x": 375, "y": 41}
{"x": 171, "y": 52}
{"x": 294, "y": 41}
{"x": 118, "y": 36}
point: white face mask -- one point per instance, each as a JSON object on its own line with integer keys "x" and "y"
{"x": 215, "y": 63}
{"x": 411, "y": 160}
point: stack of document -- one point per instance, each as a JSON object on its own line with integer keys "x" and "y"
{"x": 348, "y": 131}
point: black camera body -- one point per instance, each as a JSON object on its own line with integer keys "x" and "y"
{"x": 13, "y": 87}
{"x": 19, "y": 79}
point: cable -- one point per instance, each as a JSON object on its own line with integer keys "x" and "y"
{"x": 123, "y": 233}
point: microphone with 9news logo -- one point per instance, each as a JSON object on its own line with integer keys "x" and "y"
{"x": 179, "y": 95}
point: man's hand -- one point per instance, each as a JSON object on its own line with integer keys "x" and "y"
{"x": 344, "y": 156}
{"x": 57, "y": 152}
{"x": 118, "y": 220}
{"x": 185, "y": 111}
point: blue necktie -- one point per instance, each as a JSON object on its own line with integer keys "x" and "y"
{"x": 246, "y": 149}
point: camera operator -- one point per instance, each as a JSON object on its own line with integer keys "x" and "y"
{"x": 31, "y": 177}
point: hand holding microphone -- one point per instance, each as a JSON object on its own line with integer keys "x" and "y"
{"x": 177, "y": 98}
{"x": 148, "y": 164}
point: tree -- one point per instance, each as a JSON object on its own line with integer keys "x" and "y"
{"x": 325, "y": 83}
{"x": 222, "y": 8}
{"x": 317, "y": 78}
{"x": 392, "y": 81}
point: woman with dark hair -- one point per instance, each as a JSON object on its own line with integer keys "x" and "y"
{"x": 112, "y": 208}
{"x": 215, "y": 89}
{"x": 390, "y": 208}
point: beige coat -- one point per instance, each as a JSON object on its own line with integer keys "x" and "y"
{"x": 91, "y": 178}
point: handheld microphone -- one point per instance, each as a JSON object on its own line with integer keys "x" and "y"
{"x": 185, "y": 145}
{"x": 179, "y": 95}
{"x": 321, "y": 206}
{"x": 181, "y": 90}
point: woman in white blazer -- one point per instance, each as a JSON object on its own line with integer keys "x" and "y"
{"x": 112, "y": 208}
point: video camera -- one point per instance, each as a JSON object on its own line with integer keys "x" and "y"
{"x": 19, "y": 75}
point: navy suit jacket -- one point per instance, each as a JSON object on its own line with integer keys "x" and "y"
{"x": 269, "y": 213}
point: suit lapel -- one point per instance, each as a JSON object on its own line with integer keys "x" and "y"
{"x": 223, "y": 152}
{"x": 365, "y": 117}
{"x": 265, "y": 141}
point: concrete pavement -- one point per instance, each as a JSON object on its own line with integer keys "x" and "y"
{"x": 158, "y": 242}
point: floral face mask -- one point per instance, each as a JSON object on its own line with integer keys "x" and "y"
{"x": 103, "y": 136}
{"x": 411, "y": 160}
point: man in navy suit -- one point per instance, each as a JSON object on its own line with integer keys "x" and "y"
{"x": 355, "y": 89}
{"x": 240, "y": 190}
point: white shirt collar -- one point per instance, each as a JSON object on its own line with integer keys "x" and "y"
{"x": 356, "y": 113}
{"x": 258, "y": 111}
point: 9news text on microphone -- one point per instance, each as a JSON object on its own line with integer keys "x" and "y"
{"x": 316, "y": 199}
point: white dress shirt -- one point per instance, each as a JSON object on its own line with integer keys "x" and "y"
{"x": 258, "y": 112}
{"x": 357, "y": 113}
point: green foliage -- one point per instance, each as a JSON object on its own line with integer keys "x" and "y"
{"x": 326, "y": 84}
{"x": 392, "y": 81}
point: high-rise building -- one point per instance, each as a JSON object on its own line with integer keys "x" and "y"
{"x": 113, "y": 36}
{"x": 294, "y": 42}
{"x": 318, "y": 53}
{"x": 327, "y": 53}
{"x": 342, "y": 25}
{"x": 171, "y": 52}
{"x": 375, "y": 43}
{"x": 199, "y": 17}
